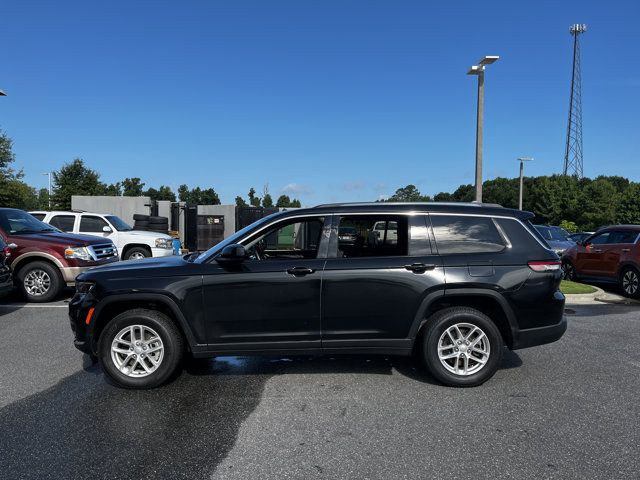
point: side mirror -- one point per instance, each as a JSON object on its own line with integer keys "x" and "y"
{"x": 12, "y": 246}
{"x": 107, "y": 229}
{"x": 232, "y": 254}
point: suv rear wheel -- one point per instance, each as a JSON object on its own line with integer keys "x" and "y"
{"x": 630, "y": 282}
{"x": 568, "y": 271}
{"x": 140, "y": 349}
{"x": 462, "y": 347}
{"x": 39, "y": 282}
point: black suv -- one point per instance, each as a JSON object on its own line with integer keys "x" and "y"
{"x": 454, "y": 283}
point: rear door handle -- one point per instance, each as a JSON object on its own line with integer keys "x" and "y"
{"x": 420, "y": 267}
{"x": 300, "y": 271}
{"x": 597, "y": 251}
{"x": 626, "y": 250}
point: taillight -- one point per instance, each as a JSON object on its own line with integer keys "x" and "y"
{"x": 545, "y": 265}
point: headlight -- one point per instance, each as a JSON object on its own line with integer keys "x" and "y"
{"x": 84, "y": 287}
{"x": 81, "y": 253}
{"x": 164, "y": 243}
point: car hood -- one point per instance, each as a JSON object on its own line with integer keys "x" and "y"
{"x": 136, "y": 268}
{"x": 60, "y": 238}
{"x": 560, "y": 244}
{"x": 142, "y": 233}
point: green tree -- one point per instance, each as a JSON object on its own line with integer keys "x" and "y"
{"x": 267, "y": 201}
{"x": 162, "y": 193}
{"x": 443, "y": 197}
{"x": 464, "y": 193}
{"x": 240, "y": 202}
{"x": 198, "y": 196}
{"x": 253, "y": 200}
{"x": 629, "y": 207}
{"x": 569, "y": 226}
{"x": 285, "y": 202}
{"x": 13, "y": 191}
{"x": 43, "y": 199}
{"x": 408, "y": 194}
{"x": 132, "y": 187}
{"x": 113, "y": 189}
{"x": 75, "y": 179}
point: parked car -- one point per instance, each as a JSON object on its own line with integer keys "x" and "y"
{"x": 6, "y": 280}
{"x": 580, "y": 236}
{"x": 45, "y": 259}
{"x": 461, "y": 282}
{"x": 132, "y": 244}
{"x": 557, "y": 238}
{"x": 610, "y": 255}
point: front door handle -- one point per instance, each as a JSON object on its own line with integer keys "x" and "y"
{"x": 597, "y": 250}
{"x": 420, "y": 267}
{"x": 300, "y": 271}
{"x": 626, "y": 250}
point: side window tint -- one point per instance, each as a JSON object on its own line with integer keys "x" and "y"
{"x": 466, "y": 234}
{"x": 622, "y": 236}
{"x": 297, "y": 239}
{"x": 92, "y": 224}
{"x": 39, "y": 216}
{"x": 600, "y": 239}
{"x": 372, "y": 236}
{"x": 63, "y": 222}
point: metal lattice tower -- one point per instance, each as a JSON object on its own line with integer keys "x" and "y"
{"x": 573, "y": 148}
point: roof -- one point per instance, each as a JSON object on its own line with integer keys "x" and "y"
{"x": 619, "y": 227}
{"x": 427, "y": 207}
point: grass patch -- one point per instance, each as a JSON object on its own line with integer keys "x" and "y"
{"x": 572, "y": 287}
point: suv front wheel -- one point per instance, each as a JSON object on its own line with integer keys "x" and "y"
{"x": 462, "y": 347}
{"x": 140, "y": 349}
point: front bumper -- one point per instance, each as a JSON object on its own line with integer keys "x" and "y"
{"x": 79, "y": 307}
{"x": 162, "y": 252}
{"x": 69, "y": 274}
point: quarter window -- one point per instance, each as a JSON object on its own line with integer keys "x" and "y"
{"x": 372, "y": 236}
{"x": 63, "y": 222}
{"x": 92, "y": 224}
{"x": 466, "y": 234}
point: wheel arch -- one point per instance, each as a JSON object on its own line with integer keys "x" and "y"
{"x": 624, "y": 265}
{"x": 489, "y": 302}
{"x": 27, "y": 258}
{"x": 110, "y": 307}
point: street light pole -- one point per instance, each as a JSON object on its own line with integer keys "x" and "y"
{"x": 522, "y": 160}
{"x": 49, "y": 175}
{"x": 478, "y": 70}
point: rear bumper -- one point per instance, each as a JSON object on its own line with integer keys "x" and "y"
{"x": 539, "y": 336}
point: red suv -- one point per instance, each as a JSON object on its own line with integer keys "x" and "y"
{"x": 611, "y": 255}
{"x": 45, "y": 259}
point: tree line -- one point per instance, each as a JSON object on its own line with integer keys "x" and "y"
{"x": 577, "y": 203}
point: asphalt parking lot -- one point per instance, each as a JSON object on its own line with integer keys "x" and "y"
{"x": 565, "y": 410}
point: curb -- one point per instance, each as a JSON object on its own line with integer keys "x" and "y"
{"x": 584, "y": 297}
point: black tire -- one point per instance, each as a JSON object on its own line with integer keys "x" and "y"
{"x": 569, "y": 271}
{"x": 436, "y": 328}
{"x": 135, "y": 252}
{"x": 170, "y": 337}
{"x": 141, "y": 223}
{"x": 137, "y": 216}
{"x": 33, "y": 271}
{"x": 630, "y": 282}
{"x": 153, "y": 219}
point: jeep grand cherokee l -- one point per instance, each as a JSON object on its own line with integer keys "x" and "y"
{"x": 45, "y": 259}
{"x": 459, "y": 281}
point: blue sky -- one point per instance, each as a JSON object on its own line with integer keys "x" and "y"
{"x": 323, "y": 100}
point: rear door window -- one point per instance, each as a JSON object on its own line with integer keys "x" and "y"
{"x": 39, "y": 216}
{"x": 63, "y": 222}
{"x": 372, "y": 236}
{"x": 622, "y": 236}
{"x": 466, "y": 234}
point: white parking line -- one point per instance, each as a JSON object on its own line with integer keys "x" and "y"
{"x": 28, "y": 305}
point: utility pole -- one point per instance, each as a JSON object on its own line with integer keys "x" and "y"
{"x": 49, "y": 175}
{"x": 478, "y": 70}
{"x": 522, "y": 160}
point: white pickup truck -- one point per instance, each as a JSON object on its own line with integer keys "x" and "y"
{"x": 132, "y": 244}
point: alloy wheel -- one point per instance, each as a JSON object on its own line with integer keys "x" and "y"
{"x": 630, "y": 282}
{"x": 37, "y": 282}
{"x": 464, "y": 349}
{"x": 137, "y": 351}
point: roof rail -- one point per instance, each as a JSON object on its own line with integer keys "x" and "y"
{"x": 356, "y": 204}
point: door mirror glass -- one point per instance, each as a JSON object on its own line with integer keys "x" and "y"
{"x": 106, "y": 229}
{"x": 234, "y": 253}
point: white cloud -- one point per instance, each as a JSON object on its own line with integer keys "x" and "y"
{"x": 296, "y": 189}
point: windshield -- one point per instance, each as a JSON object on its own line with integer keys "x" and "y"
{"x": 118, "y": 223}
{"x": 347, "y": 231}
{"x": 553, "y": 233}
{"x": 16, "y": 222}
{"x": 204, "y": 256}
